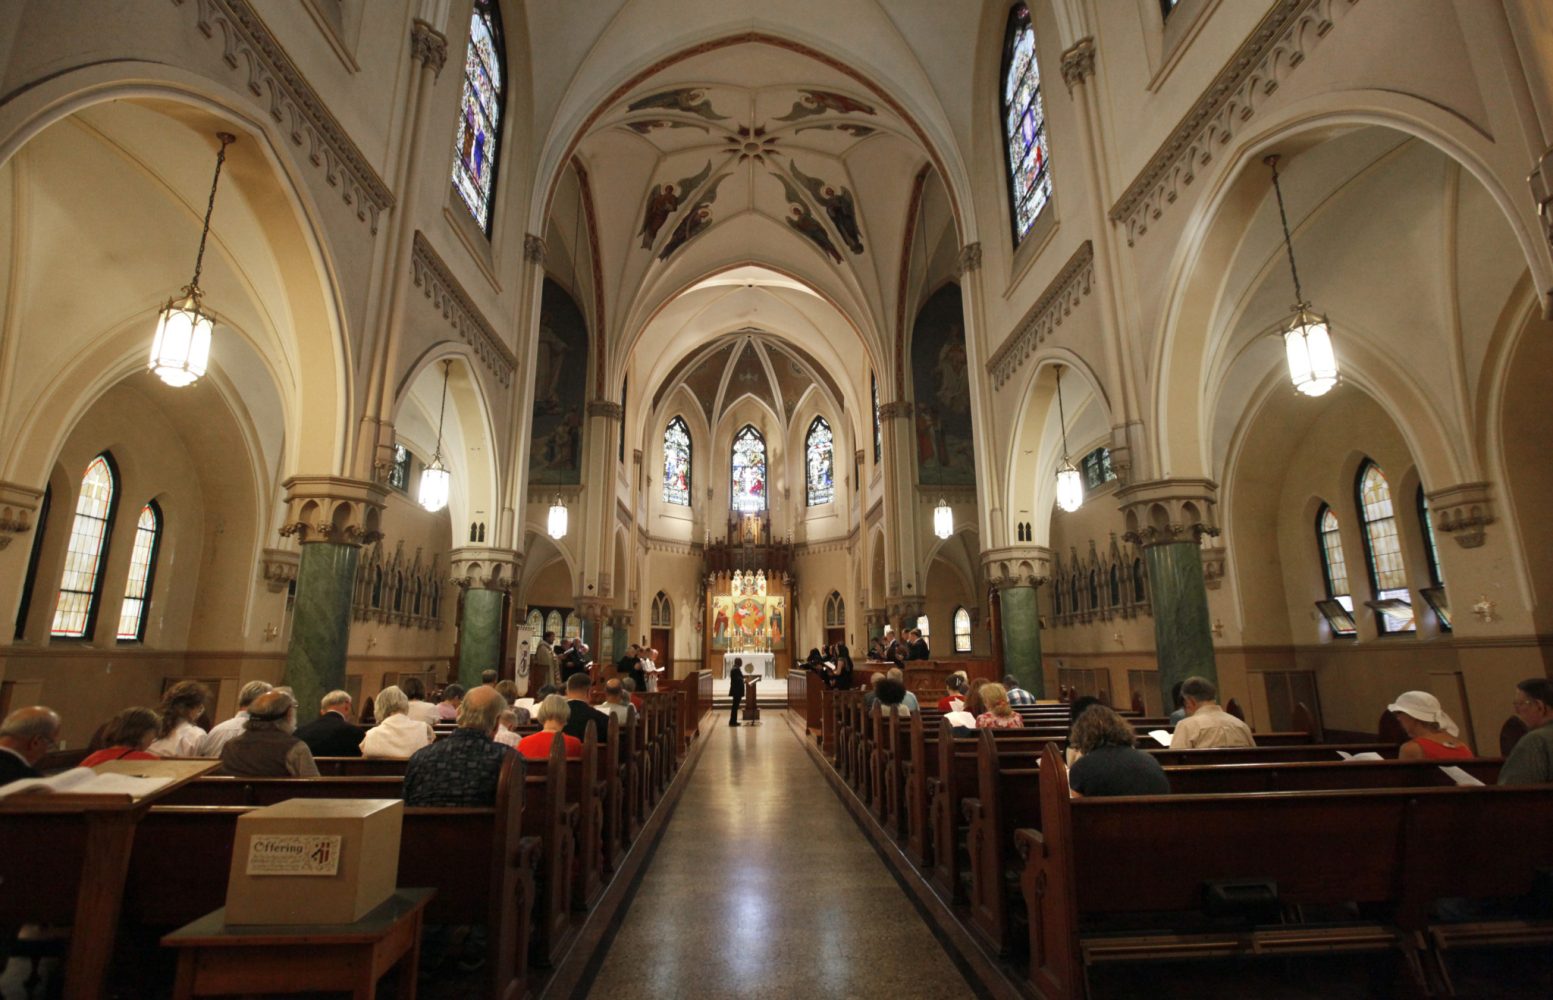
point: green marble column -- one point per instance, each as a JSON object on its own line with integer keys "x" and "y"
{"x": 321, "y": 623}
{"x": 1183, "y": 629}
{"x": 479, "y": 635}
{"x": 1021, "y": 623}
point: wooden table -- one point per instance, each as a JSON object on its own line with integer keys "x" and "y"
{"x": 222, "y": 960}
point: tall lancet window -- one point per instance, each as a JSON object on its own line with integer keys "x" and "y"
{"x": 1024, "y": 124}
{"x": 676, "y": 463}
{"x": 819, "y": 450}
{"x": 480, "y": 111}
{"x": 80, "y": 588}
{"x": 1383, "y": 551}
{"x": 749, "y": 471}
{"x": 142, "y": 573}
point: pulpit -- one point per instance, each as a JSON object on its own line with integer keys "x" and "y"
{"x": 751, "y": 699}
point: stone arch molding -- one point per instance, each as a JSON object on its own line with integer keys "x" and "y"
{"x": 1030, "y": 432}
{"x": 310, "y": 372}
{"x": 1179, "y": 432}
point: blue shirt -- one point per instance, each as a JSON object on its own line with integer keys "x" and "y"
{"x": 460, "y": 769}
{"x": 1019, "y": 696}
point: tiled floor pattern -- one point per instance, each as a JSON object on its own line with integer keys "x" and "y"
{"x": 763, "y": 886}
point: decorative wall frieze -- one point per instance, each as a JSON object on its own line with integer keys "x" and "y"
{"x": 900, "y": 409}
{"x": 1463, "y": 512}
{"x": 1062, "y": 296}
{"x": 1017, "y": 566}
{"x": 1099, "y": 587}
{"x": 333, "y": 509}
{"x": 393, "y": 588}
{"x": 970, "y": 259}
{"x": 485, "y": 568}
{"x": 1281, "y": 42}
{"x": 534, "y": 249}
{"x": 569, "y": 494}
{"x": 248, "y": 46}
{"x": 279, "y": 568}
{"x": 606, "y": 408}
{"x": 1078, "y": 62}
{"x": 18, "y": 503}
{"x": 928, "y": 495}
{"x": 437, "y": 283}
{"x": 428, "y": 46}
{"x": 1213, "y": 563}
{"x": 1168, "y": 511}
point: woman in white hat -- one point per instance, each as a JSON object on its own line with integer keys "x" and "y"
{"x": 1432, "y": 735}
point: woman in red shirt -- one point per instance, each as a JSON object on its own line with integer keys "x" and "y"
{"x": 553, "y": 713}
{"x": 127, "y": 735}
{"x": 956, "y": 688}
{"x": 999, "y": 714}
{"x": 1432, "y": 735}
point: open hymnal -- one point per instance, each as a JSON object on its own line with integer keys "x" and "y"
{"x": 1160, "y": 736}
{"x": 527, "y": 704}
{"x": 85, "y": 781}
{"x": 964, "y": 719}
{"x": 1367, "y": 755}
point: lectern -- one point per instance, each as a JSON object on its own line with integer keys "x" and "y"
{"x": 751, "y": 700}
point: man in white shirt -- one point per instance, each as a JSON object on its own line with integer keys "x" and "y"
{"x": 1206, "y": 724}
{"x": 211, "y": 743}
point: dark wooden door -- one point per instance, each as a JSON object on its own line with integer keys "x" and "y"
{"x": 663, "y": 642}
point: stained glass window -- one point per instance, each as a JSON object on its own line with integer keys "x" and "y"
{"x": 1166, "y": 6}
{"x": 749, "y": 470}
{"x": 80, "y": 588}
{"x": 662, "y": 611}
{"x": 554, "y": 625}
{"x": 480, "y": 110}
{"x": 1096, "y": 467}
{"x": 1333, "y": 566}
{"x": 536, "y": 624}
{"x": 835, "y": 611}
{"x": 573, "y": 626}
{"x": 1388, "y": 575}
{"x": 142, "y": 573}
{"x": 873, "y": 391}
{"x": 962, "y": 631}
{"x": 676, "y": 463}
{"x": 1024, "y": 124}
{"x": 1431, "y": 550}
{"x": 819, "y": 450}
{"x": 399, "y": 472}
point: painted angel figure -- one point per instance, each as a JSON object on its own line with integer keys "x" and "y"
{"x": 665, "y": 201}
{"x": 839, "y": 207}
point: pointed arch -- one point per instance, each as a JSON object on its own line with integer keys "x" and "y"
{"x": 80, "y": 588}
{"x": 819, "y": 448}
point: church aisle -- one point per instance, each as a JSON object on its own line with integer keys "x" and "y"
{"x": 763, "y": 887}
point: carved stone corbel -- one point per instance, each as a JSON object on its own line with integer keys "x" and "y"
{"x": 333, "y": 509}
{"x": 970, "y": 259}
{"x": 1078, "y": 62}
{"x": 428, "y": 46}
{"x": 485, "y": 568}
{"x": 279, "y": 567}
{"x": 534, "y": 249}
{"x": 1463, "y": 512}
{"x": 1213, "y": 562}
{"x": 1017, "y": 566}
{"x": 1169, "y": 511}
{"x": 17, "y": 505}
{"x": 900, "y": 409}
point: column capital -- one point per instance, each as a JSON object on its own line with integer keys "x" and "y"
{"x": 1017, "y": 566}
{"x": 1463, "y": 512}
{"x": 534, "y": 249}
{"x": 1167, "y": 511}
{"x": 484, "y": 568}
{"x": 279, "y": 567}
{"x": 900, "y": 409}
{"x": 590, "y": 608}
{"x": 333, "y": 509}
{"x": 17, "y": 505}
{"x": 907, "y": 609}
{"x": 607, "y": 408}
{"x": 970, "y": 259}
{"x": 428, "y": 46}
{"x": 1078, "y": 62}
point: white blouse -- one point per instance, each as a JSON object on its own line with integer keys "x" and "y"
{"x": 396, "y": 736}
{"x": 183, "y": 741}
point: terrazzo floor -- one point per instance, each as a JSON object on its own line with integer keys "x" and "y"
{"x": 763, "y": 886}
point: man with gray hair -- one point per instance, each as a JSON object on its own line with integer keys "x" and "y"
{"x": 333, "y": 734}
{"x": 909, "y": 702}
{"x": 211, "y": 743}
{"x": 268, "y": 746}
{"x": 461, "y": 769}
{"x": 25, "y": 736}
{"x": 617, "y": 700}
{"x": 1206, "y": 724}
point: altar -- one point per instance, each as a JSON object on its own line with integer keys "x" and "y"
{"x": 763, "y": 664}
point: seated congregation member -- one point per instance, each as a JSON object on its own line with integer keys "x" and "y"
{"x": 1017, "y": 695}
{"x": 999, "y": 714}
{"x": 26, "y": 735}
{"x": 333, "y": 734}
{"x": 397, "y": 735}
{"x": 210, "y": 745}
{"x": 1531, "y": 762}
{"x": 844, "y": 669}
{"x": 177, "y": 735}
{"x": 892, "y": 695}
{"x": 268, "y": 746}
{"x": 463, "y": 768}
{"x": 489, "y": 677}
{"x": 553, "y": 713}
{"x": 1180, "y": 706}
{"x": 1432, "y": 735}
{"x": 452, "y": 697}
{"x": 910, "y": 701}
{"x": 617, "y": 699}
{"x": 954, "y": 698}
{"x": 126, "y": 737}
{"x": 582, "y": 714}
{"x": 1110, "y": 762}
{"x": 419, "y": 708}
{"x": 1206, "y": 724}
{"x": 631, "y": 689}
{"x": 872, "y": 697}
{"x": 507, "y": 728}
{"x": 1077, "y": 707}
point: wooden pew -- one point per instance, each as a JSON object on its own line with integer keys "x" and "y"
{"x": 584, "y": 790}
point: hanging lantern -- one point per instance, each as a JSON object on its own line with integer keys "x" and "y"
{"x": 943, "y": 519}
{"x": 557, "y": 525}
{"x": 435, "y": 478}
{"x": 1070, "y": 485}
{"x": 180, "y": 350}
{"x": 1307, "y": 340}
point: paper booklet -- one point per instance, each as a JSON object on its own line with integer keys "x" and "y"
{"x": 85, "y": 781}
{"x": 1459, "y": 776}
{"x": 1160, "y": 736}
{"x": 1367, "y": 755}
{"x": 965, "y": 719}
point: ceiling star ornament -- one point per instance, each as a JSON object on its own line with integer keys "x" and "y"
{"x": 751, "y": 144}
{"x": 180, "y": 349}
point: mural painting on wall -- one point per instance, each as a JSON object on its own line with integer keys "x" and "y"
{"x": 747, "y": 622}
{"x": 942, "y": 392}
{"x": 560, "y": 390}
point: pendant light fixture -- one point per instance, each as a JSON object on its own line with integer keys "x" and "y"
{"x": 1307, "y": 339}
{"x": 180, "y": 350}
{"x": 1070, "y": 486}
{"x": 557, "y": 524}
{"x": 943, "y": 519}
{"x": 435, "y": 478}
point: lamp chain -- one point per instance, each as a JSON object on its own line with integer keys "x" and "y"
{"x": 1288, "y": 244}
{"x": 1062, "y": 419}
{"x": 227, "y": 139}
{"x": 442, "y": 411}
